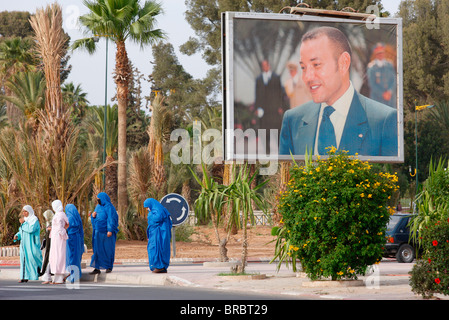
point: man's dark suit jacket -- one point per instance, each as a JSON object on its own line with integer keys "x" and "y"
{"x": 370, "y": 129}
{"x": 270, "y": 98}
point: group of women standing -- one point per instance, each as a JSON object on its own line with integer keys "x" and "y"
{"x": 64, "y": 245}
{"x": 66, "y": 240}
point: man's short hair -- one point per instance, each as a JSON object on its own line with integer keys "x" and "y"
{"x": 338, "y": 38}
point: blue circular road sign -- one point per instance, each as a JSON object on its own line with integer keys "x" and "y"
{"x": 177, "y": 206}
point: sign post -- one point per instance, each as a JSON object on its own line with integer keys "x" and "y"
{"x": 178, "y": 207}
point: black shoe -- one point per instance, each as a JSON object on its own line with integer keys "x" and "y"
{"x": 96, "y": 271}
{"x": 163, "y": 270}
{"x": 23, "y": 281}
{"x": 108, "y": 270}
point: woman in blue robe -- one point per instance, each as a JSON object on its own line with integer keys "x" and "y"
{"x": 30, "y": 252}
{"x": 75, "y": 242}
{"x": 159, "y": 236}
{"x": 104, "y": 234}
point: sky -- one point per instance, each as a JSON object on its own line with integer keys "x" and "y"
{"x": 89, "y": 70}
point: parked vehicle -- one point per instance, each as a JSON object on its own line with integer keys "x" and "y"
{"x": 399, "y": 244}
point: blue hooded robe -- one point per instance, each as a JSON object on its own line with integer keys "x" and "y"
{"x": 30, "y": 247}
{"x": 105, "y": 221}
{"x": 159, "y": 235}
{"x": 75, "y": 242}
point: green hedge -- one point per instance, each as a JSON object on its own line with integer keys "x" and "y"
{"x": 334, "y": 216}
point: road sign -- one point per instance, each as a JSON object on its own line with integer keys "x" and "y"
{"x": 177, "y": 206}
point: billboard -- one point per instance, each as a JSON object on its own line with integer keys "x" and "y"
{"x": 296, "y": 85}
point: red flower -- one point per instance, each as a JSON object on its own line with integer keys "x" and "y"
{"x": 437, "y": 280}
{"x": 430, "y": 260}
{"x": 435, "y": 243}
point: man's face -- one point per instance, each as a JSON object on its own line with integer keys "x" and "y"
{"x": 325, "y": 75}
{"x": 265, "y": 66}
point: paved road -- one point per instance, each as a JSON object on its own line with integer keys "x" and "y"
{"x": 11, "y": 290}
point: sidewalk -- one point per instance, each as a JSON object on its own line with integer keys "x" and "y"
{"x": 390, "y": 281}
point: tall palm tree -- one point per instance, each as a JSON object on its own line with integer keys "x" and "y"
{"x": 120, "y": 20}
{"x": 50, "y": 42}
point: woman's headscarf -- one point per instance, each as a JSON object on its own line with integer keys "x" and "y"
{"x": 57, "y": 206}
{"x": 48, "y": 215}
{"x": 108, "y": 208}
{"x": 31, "y": 219}
{"x": 153, "y": 204}
{"x": 104, "y": 199}
{"x": 74, "y": 217}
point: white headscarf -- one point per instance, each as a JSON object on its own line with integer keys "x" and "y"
{"x": 48, "y": 215}
{"x": 57, "y": 206}
{"x": 31, "y": 219}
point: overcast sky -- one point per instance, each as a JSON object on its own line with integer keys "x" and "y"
{"x": 89, "y": 70}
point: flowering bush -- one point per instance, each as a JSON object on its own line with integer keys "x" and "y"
{"x": 431, "y": 274}
{"x": 334, "y": 216}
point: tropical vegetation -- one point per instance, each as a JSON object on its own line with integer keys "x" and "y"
{"x": 334, "y": 216}
{"x": 51, "y": 138}
{"x": 430, "y": 230}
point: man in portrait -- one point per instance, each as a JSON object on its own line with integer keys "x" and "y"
{"x": 270, "y": 98}
{"x": 338, "y": 115}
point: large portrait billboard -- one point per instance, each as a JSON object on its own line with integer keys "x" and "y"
{"x": 296, "y": 85}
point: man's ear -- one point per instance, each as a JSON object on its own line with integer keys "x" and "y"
{"x": 344, "y": 62}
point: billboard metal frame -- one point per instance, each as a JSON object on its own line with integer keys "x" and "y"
{"x": 228, "y": 19}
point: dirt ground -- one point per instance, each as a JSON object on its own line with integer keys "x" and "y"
{"x": 204, "y": 244}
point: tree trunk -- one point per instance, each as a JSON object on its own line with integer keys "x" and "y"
{"x": 122, "y": 77}
{"x": 111, "y": 180}
{"x": 244, "y": 246}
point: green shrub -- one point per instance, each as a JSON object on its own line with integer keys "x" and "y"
{"x": 431, "y": 274}
{"x": 183, "y": 232}
{"x": 334, "y": 216}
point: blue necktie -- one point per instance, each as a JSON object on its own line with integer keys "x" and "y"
{"x": 326, "y": 136}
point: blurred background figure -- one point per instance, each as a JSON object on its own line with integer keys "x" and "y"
{"x": 295, "y": 89}
{"x": 382, "y": 77}
{"x": 270, "y": 96}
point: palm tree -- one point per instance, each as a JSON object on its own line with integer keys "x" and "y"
{"x": 241, "y": 194}
{"x": 26, "y": 90}
{"x": 210, "y": 204}
{"x": 140, "y": 179}
{"x": 120, "y": 20}
{"x": 75, "y": 98}
{"x": 95, "y": 122}
{"x": 50, "y": 42}
{"x": 159, "y": 131}
{"x": 15, "y": 56}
